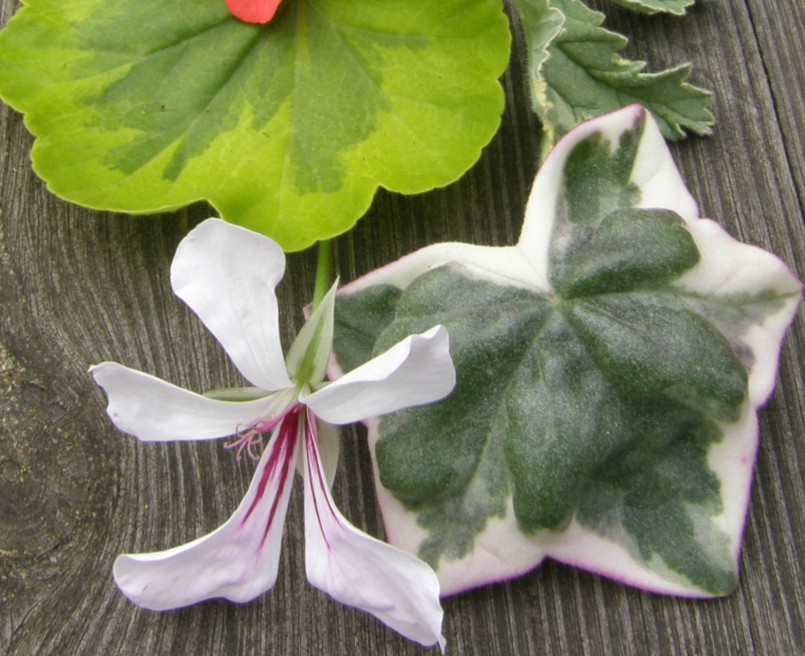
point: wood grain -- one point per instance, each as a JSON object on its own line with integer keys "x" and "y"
{"x": 78, "y": 287}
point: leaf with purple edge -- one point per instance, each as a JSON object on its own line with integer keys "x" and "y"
{"x": 610, "y": 367}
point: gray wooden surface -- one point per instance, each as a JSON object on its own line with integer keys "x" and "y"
{"x": 78, "y": 287}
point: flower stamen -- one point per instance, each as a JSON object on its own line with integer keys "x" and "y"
{"x": 251, "y": 438}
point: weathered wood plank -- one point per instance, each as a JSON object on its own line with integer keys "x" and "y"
{"x": 779, "y": 33}
{"x": 79, "y": 286}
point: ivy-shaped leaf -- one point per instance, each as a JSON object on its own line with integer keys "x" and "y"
{"x": 286, "y": 128}
{"x": 610, "y": 366}
{"x": 676, "y": 7}
{"x": 578, "y": 73}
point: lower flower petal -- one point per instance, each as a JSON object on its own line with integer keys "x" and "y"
{"x": 239, "y": 560}
{"x": 361, "y": 571}
{"x": 414, "y": 371}
{"x": 155, "y": 410}
{"x": 329, "y": 450}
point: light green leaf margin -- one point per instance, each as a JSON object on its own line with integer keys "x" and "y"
{"x": 287, "y": 128}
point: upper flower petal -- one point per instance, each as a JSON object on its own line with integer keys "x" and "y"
{"x": 415, "y": 371}
{"x": 154, "y": 410}
{"x": 227, "y": 275}
{"x": 358, "y": 570}
{"x": 239, "y": 560}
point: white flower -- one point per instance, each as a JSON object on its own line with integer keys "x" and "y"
{"x": 227, "y": 275}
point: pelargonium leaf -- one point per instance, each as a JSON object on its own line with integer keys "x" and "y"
{"x": 287, "y": 128}
{"x": 577, "y": 71}
{"x": 610, "y": 367}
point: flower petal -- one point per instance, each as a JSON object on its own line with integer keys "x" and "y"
{"x": 254, "y": 11}
{"x": 227, "y": 275}
{"x": 415, "y": 371}
{"x": 361, "y": 571}
{"x": 239, "y": 560}
{"x": 155, "y": 410}
{"x": 329, "y": 450}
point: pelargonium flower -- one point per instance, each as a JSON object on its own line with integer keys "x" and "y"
{"x": 254, "y": 11}
{"x": 227, "y": 275}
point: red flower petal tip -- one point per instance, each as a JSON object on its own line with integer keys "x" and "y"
{"x": 254, "y": 11}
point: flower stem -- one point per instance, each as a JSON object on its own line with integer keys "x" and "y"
{"x": 323, "y": 278}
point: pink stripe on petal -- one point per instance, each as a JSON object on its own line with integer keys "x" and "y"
{"x": 361, "y": 571}
{"x": 238, "y": 561}
{"x": 279, "y": 467}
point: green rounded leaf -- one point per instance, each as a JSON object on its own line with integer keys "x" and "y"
{"x": 287, "y": 128}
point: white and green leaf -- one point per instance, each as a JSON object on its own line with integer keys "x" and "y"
{"x": 577, "y": 71}
{"x": 287, "y": 128}
{"x": 610, "y": 366}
